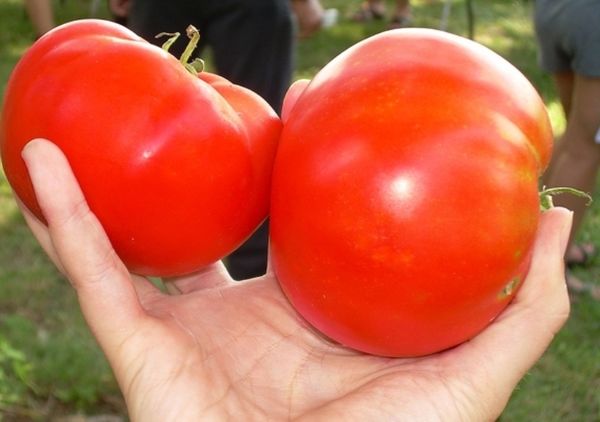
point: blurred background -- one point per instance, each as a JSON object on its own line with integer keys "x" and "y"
{"x": 51, "y": 368}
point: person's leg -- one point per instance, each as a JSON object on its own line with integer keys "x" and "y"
{"x": 577, "y": 159}
{"x": 119, "y": 10}
{"x": 564, "y": 82}
{"x": 402, "y": 14}
{"x": 41, "y": 15}
{"x": 567, "y": 37}
{"x": 370, "y": 9}
{"x": 309, "y": 15}
{"x": 403, "y": 8}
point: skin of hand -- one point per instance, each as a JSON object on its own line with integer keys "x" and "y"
{"x": 215, "y": 349}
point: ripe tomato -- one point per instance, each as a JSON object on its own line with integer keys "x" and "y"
{"x": 177, "y": 168}
{"x": 405, "y": 200}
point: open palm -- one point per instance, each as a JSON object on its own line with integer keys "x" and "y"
{"x": 215, "y": 349}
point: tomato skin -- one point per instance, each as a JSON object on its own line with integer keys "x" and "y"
{"x": 177, "y": 170}
{"x": 404, "y": 200}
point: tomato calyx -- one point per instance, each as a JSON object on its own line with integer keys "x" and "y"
{"x": 546, "y": 195}
{"x": 195, "y": 66}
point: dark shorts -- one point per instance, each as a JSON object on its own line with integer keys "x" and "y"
{"x": 568, "y": 33}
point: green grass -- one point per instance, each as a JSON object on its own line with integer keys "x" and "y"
{"x": 50, "y": 364}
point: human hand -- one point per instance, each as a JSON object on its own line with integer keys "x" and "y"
{"x": 214, "y": 349}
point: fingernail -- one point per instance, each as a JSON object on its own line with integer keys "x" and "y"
{"x": 565, "y": 232}
{"x": 28, "y": 150}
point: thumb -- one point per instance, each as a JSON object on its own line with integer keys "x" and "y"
{"x": 514, "y": 342}
{"x": 291, "y": 98}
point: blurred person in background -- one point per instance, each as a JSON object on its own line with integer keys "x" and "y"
{"x": 568, "y": 34}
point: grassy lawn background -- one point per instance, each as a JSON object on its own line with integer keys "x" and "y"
{"x": 51, "y": 367}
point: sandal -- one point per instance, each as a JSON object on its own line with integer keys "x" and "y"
{"x": 574, "y": 283}
{"x": 577, "y": 286}
{"x": 367, "y": 13}
{"x": 580, "y": 255}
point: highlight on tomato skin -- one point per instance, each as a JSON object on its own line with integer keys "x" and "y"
{"x": 176, "y": 167}
{"x": 405, "y": 192}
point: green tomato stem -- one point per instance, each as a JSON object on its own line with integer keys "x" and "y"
{"x": 546, "y": 195}
{"x": 195, "y": 66}
{"x": 173, "y": 36}
{"x": 194, "y": 36}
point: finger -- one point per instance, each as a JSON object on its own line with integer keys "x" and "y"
{"x": 40, "y": 232}
{"x": 211, "y": 276}
{"x": 513, "y": 343}
{"x": 548, "y": 265}
{"x": 269, "y": 270}
{"x": 291, "y": 97}
{"x": 144, "y": 288}
{"x": 106, "y": 295}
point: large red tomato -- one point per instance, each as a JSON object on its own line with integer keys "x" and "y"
{"x": 177, "y": 168}
{"x": 405, "y": 197}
